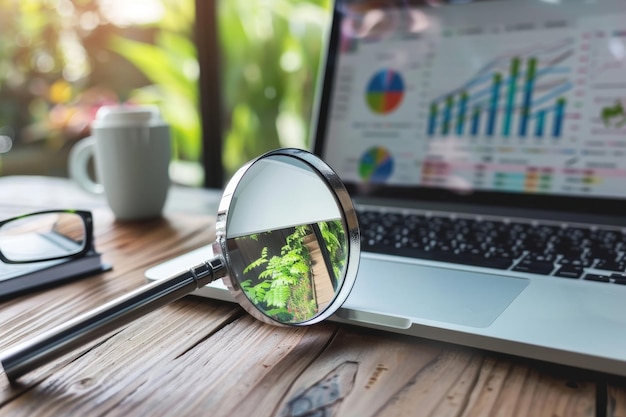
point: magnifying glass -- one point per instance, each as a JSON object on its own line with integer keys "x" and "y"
{"x": 287, "y": 248}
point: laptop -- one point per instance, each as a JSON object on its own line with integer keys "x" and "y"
{"x": 484, "y": 146}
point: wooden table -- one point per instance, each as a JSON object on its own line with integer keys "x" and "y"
{"x": 203, "y": 357}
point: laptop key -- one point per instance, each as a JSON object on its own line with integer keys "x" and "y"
{"x": 618, "y": 279}
{"x": 597, "y": 278}
{"x": 484, "y": 261}
{"x": 534, "y": 267}
{"x": 611, "y": 265}
{"x": 569, "y": 271}
{"x": 578, "y": 262}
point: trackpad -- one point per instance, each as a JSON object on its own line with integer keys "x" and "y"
{"x": 419, "y": 293}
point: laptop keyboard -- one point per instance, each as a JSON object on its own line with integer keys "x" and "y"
{"x": 576, "y": 252}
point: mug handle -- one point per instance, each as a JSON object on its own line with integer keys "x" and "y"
{"x": 79, "y": 158}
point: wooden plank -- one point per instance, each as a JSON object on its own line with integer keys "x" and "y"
{"x": 97, "y": 379}
{"x": 511, "y": 387}
{"x": 131, "y": 248}
{"x": 247, "y": 368}
{"x": 399, "y": 376}
{"x": 377, "y": 367}
{"x": 199, "y": 357}
{"x": 616, "y": 399}
{"x": 148, "y": 369}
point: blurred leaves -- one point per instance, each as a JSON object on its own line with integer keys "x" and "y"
{"x": 270, "y": 53}
{"x": 171, "y": 65}
{"x": 61, "y": 60}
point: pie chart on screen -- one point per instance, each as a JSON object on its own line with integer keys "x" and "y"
{"x": 376, "y": 165}
{"x": 385, "y": 91}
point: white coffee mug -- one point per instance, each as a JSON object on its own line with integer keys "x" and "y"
{"x": 131, "y": 147}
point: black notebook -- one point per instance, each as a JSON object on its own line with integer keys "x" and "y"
{"x": 19, "y": 278}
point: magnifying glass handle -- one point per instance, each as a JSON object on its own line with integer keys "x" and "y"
{"x": 29, "y": 355}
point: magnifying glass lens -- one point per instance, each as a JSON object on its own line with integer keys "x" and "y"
{"x": 287, "y": 239}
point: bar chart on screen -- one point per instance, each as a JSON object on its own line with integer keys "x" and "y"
{"x": 527, "y": 92}
{"x": 534, "y": 103}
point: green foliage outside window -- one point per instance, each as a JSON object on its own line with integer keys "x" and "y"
{"x": 60, "y": 60}
{"x": 334, "y": 237}
{"x": 170, "y": 64}
{"x": 271, "y": 52}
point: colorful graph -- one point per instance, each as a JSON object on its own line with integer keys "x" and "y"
{"x": 385, "y": 91}
{"x": 523, "y": 96}
{"x": 376, "y": 165}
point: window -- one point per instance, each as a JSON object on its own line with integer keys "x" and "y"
{"x": 270, "y": 52}
{"x": 60, "y": 60}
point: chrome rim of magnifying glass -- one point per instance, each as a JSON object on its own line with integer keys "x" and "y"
{"x": 349, "y": 218}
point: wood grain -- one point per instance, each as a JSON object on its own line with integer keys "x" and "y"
{"x": 131, "y": 248}
{"x": 400, "y": 376}
{"x": 616, "y": 399}
{"x": 198, "y": 357}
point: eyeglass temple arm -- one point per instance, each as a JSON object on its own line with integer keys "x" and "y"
{"x": 29, "y": 355}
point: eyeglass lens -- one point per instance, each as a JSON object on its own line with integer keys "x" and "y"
{"x": 43, "y": 236}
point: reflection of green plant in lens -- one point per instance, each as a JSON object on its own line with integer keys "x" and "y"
{"x": 334, "y": 237}
{"x": 284, "y": 289}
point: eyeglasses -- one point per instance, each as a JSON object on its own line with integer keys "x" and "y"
{"x": 46, "y": 236}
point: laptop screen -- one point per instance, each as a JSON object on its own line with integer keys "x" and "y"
{"x": 506, "y": 101}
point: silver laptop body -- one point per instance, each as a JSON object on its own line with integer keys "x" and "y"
{"x": 490, "y": 114}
